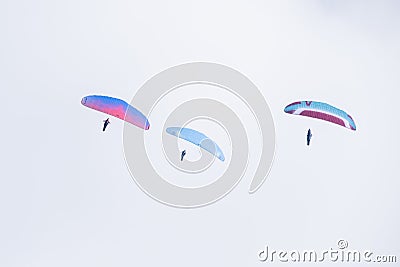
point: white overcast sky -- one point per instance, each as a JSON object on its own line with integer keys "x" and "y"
{"x": 66, "y": 196}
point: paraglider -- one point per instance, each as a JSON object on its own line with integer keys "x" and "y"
{"x": 321, "y": 111}
{"x": 117, "y": 108}
{"x": 309, "y": 135}
{"x": 198, "y": 139}
{"x": 106, "y": 123}
{"x": 183, "y": 154}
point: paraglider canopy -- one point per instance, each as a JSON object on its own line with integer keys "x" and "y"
{"x": 117, "y": 108}
{"x": 322, "y": 111}
{"x": 197, "y": 138}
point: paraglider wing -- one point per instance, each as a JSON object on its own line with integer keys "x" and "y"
{"x": 197, "y": 138}
{"x": 321, "y": 111}
{"x": 117, "y": 108}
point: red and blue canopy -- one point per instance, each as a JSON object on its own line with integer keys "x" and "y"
{"x": 321, "y": 111}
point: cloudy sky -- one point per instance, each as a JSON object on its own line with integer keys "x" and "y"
{"x": 66, "y": 196}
